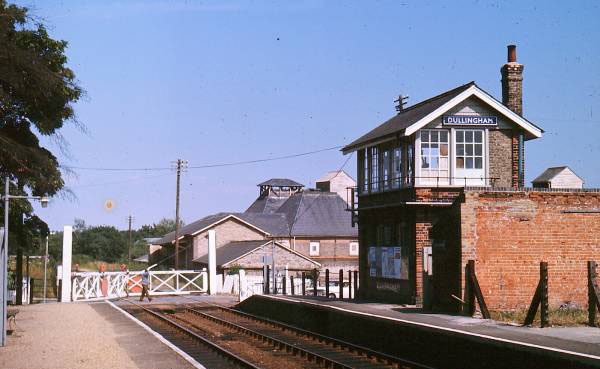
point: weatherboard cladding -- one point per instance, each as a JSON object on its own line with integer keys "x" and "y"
{"x": 406, "y": 118}
{"x": 550, "y": 173}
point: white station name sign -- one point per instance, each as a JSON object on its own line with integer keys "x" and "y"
{"x": 469, "y": 120}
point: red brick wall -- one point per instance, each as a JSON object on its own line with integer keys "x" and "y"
{"x": 508, "y": 234}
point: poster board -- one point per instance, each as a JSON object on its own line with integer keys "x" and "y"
{"x": 388, "y": 262}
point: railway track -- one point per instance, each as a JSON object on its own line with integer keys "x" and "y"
{"x": 221, "y": 337}
{"x": 200, "y": 348}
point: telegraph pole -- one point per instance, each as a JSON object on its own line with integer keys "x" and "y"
{"x": 129, "y": 218}
{"x": 180, "y": 165}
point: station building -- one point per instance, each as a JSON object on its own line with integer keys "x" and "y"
{"x": 442, "y": 182}
{"x": 311, "y": 229}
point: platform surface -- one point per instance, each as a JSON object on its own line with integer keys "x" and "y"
{"x": 576, "y": 340}
{"x": 88, "y": 335}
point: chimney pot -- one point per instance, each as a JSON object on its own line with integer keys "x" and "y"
{"x": 512, "y": 53}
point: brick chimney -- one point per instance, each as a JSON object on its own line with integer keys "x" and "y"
{"x": 512, "y": 82}
{"x": 512, "y": 98}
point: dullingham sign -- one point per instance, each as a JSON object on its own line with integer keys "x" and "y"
{"x": 469, "y": 120}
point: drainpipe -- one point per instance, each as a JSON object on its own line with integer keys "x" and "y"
{"x": 521, "y": 169}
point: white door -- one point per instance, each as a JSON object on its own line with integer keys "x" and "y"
{"x": 469, "y": 157}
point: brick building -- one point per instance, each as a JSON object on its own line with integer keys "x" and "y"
{"x": 312, "y": 229}
{"x": 442, "y": 182}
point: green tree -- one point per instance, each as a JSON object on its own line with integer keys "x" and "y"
{"x": 37, "y": 91}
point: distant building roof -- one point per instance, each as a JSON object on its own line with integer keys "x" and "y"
{"x": 235, "y": 250}
{"x": 333, "y": 174}
{"x": 280, "y": 182}
{"x": 266, "y": 204}
{"x": 317, "y": 213}
{"x": 232, "y": 251}
{"x": 274, "y": 224}
{"x": 152, "y": 240}
{"x": 550, "y": 173}
{"x": 142, "y": 259}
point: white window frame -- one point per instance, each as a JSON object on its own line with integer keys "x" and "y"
{"x": 418, "y": 159}
{"x": 353, "y": 248}
{"x": 316, "y": 251}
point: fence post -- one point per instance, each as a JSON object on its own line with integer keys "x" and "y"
{"x": 469, "y": 295}
{"x": 544, "y": 302}
{"x": 341, "y": 284}
{"x": 292, "y": 285}
{"x": 31, "y": 290}
{"x": 591, "y": 267}
{"x": 356, "y": 284}
{"x": 284, "y": 284}
{"x": 327, "y": 283}
{"x": 268, "y": 283}
{"x": 303, "y": 283}
{"x": 315, "y": 281}
{"x": 349, "y": 285}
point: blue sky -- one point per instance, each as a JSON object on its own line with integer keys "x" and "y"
{"x": 215, "y": 82}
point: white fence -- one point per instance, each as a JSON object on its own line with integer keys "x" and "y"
{"x": 97, "y": 286}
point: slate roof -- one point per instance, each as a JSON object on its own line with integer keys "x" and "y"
{"x": 550, "y": 173}
{"x": 406, "y": 118}
{"x": 231, "y": 251}
{"x": 281, "y": 182}
{"x": 266, "y": 204}
{"x": 316, "y": 213}
{"x": 275, "y": 224}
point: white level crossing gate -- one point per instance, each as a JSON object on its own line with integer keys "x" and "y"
{"x": 97, "y": 286}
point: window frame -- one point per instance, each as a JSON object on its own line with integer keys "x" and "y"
{"x": 310, "y": 248}
{"x": 350, "y": 248}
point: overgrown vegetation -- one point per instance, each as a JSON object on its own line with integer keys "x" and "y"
{"x": 561, "y": 317}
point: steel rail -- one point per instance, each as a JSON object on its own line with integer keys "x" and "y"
{"x": 228, "y": 355}
{"x": 319, "y": 359}
{"x": 369, "y": 353}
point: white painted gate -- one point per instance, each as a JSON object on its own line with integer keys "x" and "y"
{"x": 88, "y": 285}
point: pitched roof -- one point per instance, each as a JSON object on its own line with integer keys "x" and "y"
{"x": 281, "y": 182}
{"x": 274, "y": 224}
{"x": 266, "y": 204}
{"x": 234, "y": 250}
{"x": 415, "y": 117}
{"x": 317, "y": 213}
{"x": 550, "y": 173}
{"x": 407, "y": 117}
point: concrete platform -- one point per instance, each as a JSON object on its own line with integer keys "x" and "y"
{"x": 438, "y": 340}
{"x": 89, "y": 336}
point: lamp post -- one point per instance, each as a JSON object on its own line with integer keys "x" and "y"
{"x": 4, "y": 253}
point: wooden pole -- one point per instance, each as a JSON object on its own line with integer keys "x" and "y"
{"x": 327, "y": 283}
{"x": 592, "y": 297}
{"x": 544, "y": 294}
{"x": 303, "y": 283}
{"x": 341, "y": 281}
{"x": 349, "y": 285}
{"x": 315, "y": 282}
{"x": 292, "y": 285}
{"x": 356, "y": 284}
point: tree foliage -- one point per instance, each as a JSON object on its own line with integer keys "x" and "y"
{"x": 106, "y": 243}
{"x": 37, "y": 93}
